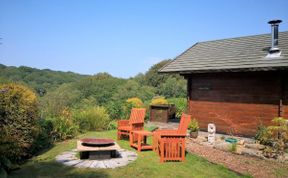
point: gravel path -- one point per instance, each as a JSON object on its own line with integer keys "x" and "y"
{"x": 239, "y": 163}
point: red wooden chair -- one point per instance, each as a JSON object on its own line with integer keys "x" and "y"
{"x": 170, "y": 144}
{"x": 136, "y": 122}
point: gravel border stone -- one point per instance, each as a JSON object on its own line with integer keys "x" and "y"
{"x": 238, "y": 163}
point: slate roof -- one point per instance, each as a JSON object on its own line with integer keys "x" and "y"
{"x": 231, "y": 55}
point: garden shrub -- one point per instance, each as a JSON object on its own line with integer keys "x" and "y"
{"x": 115, "y": 109}
{"x": 193, "y": 125}
{"x": 279, "y": 134}
{"x": 147, "y": 113}
{"x": 18, "y": 121}
{"x": 63, "y": 126}
{"x": 263, "y": 136}
{"x": 129, "y": 104}
{"x": 44, "y": 138}
{"x": 135, "y": 102}
{"x": 275, "y": 137}
{"x": 18, "y": 125}
{"x": 180, "y": 104}
{"x": 270, "y": 152}
{"x": 112, "y": 125}
{"x": 6, "y": 166}
{"x": 127, "y": 110}
{"x": 233, "y": 147}
{"x": 93, "y": 118}
{"x": 159, "y": 100}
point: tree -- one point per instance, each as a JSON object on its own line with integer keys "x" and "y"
{"x": 46, "y": 80}
{"x": 4, "y": 80}
{"x": 133, "y": 89}
{"x": 140, "y": 78}
{"x": 56, "y": 101}
{"x": 101, "y": 87}
{"x": 153, "y": 78}
{"x": 168, "y": 85}
{"x": 173, "y": 88}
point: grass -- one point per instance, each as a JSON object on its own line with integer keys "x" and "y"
{"x": 146, "y": 165}
{"x": 281, "y": 172}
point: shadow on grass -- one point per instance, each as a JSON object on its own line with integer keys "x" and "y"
{"x": 51, "y": 169}
{"x": 44, "y": 150}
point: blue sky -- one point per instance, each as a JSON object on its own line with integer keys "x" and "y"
{"x": 124, "y": 37}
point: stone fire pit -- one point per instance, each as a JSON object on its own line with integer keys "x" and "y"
{"x": 97, "y": 153}
{"x": 97, "y": 148}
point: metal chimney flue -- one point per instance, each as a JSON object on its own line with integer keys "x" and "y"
{"x": 274, "y": 51}
{"x": 274, "y": 34}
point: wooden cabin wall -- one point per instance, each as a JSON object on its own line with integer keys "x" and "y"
{"x": 285, "y": 95}
{"x": 237, "y": 102}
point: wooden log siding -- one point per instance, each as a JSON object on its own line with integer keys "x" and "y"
{"x": 237, "y": 102}
{"x": 285, "y": 95}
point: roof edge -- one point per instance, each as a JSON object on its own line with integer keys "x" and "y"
{"x": 160, "y": 70}
{"x": 241, "y": 37}
{"x": 258, "y": 69}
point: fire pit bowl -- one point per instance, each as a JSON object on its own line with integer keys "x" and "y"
{"x": 97, "y": 148}
{"x": 97, "y": 141}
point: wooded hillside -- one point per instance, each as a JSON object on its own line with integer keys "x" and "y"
{"x": 142, "y": 85}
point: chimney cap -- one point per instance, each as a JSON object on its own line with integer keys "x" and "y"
{"x": 274, "y": 21}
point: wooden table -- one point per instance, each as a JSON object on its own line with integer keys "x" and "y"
{"x": 138, "y": 139}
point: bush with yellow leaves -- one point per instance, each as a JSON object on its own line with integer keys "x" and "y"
{"x": 18, "y": 121}
{"x": 160, "y": 100}
{"x": 135, "y": 102}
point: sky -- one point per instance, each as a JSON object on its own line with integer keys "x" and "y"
{"x": 122, "y": 37}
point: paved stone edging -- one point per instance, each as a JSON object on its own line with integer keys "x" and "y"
{"x": 69, "y": 158}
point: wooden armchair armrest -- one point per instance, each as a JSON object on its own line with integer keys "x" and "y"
{"x": 164, "y": 131}
{"x": 137, "y": 126}
{"x": 123, "y": 123}
{"x": 171, "y": 134}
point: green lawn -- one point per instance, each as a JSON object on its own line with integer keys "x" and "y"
{"x": 146, "y": 165}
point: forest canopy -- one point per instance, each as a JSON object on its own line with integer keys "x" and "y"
{"x": 102, "y": 86}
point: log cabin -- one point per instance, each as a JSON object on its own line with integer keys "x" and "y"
{"x": 236, "y": 83}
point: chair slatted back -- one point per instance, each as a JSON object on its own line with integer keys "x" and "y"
{"x": 184, "y": 122}
{"x": 137, "y": 115}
